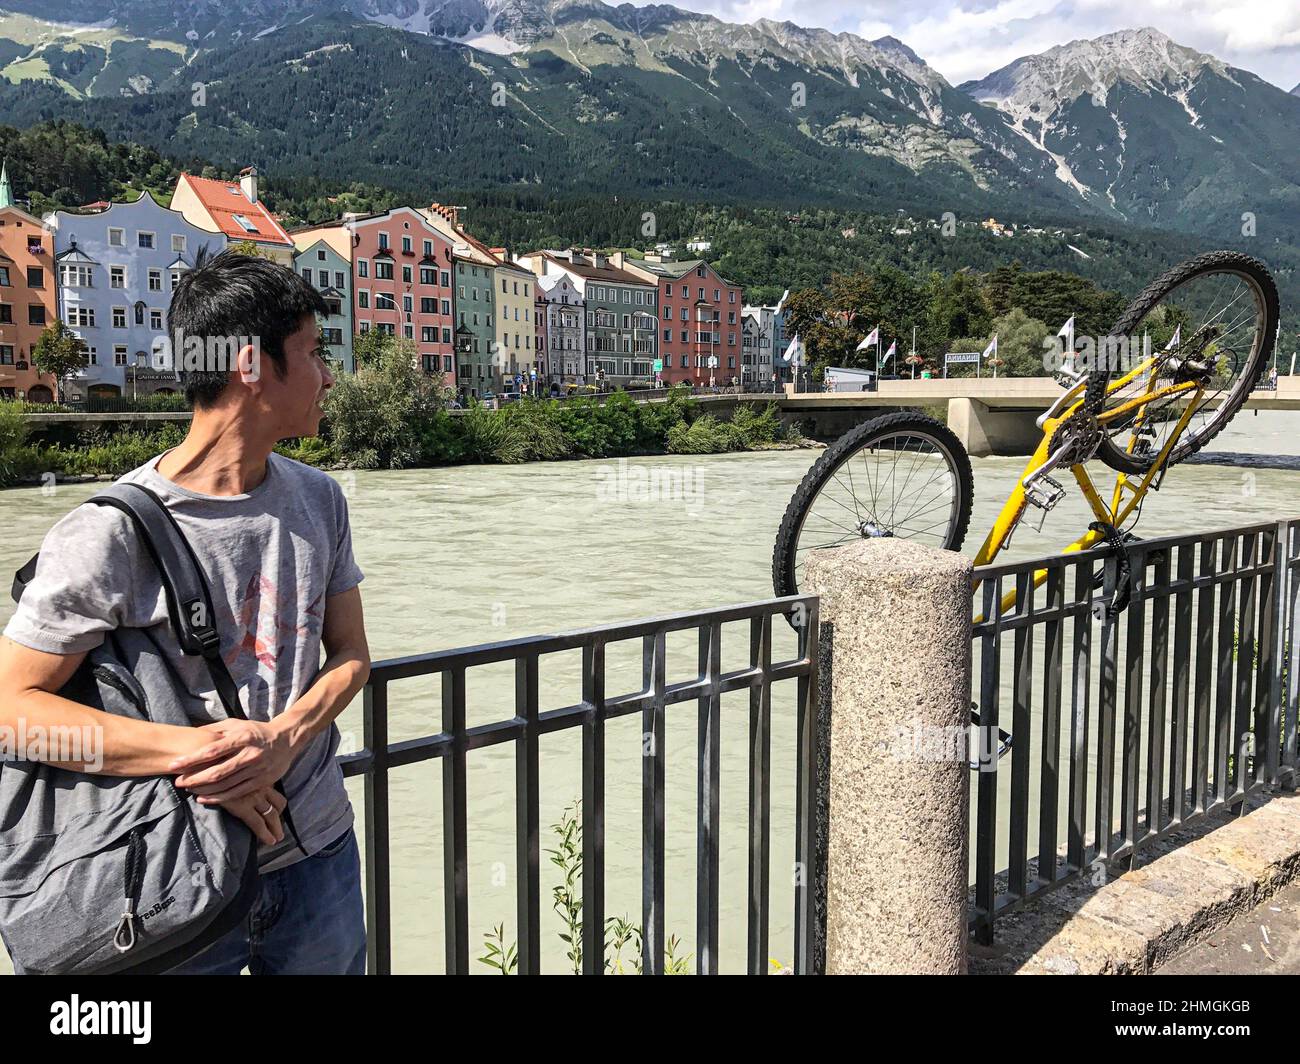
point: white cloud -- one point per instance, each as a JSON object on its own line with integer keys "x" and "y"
{"x": 965, "y": 39}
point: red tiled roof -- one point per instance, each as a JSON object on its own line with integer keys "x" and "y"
{"x": 224, "y": 200}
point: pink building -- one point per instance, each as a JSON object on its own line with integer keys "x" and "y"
{"x": 402, "y": 283}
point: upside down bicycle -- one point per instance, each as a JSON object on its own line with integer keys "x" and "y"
{"x": 1197, "y": 340}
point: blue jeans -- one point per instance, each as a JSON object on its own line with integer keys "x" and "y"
{"x": 307, "y": 919}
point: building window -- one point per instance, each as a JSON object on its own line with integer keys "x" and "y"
{"x": 155, "y": 280}
{"x": 119, "y": 317}
{"x": 73, "y": 277}
{"x": 385, "y": 301}
{"x": 175, "y": 279}
{"x": 340, "y": 281}
{"x": 155, "y": 320}
{"x": 383, "y": 241}
{"x": 119, "y": 355}
{"x": 35, "y": 314}
{"x": 406, "y": 275}
{"x": 383, "y": 271}
{"x": 178, "y": 242}
{"x": 6, "y": 314}
{"x": 406, "y": 245}
{"x": 6, "y": 354}
{"x": 36, "y": 277}
{"x": 117, "y": 277}
{"x": 363, "y": 299}
{"x": 78, "y": 317}
{"x": 145, "y": 240}
{"x": 116, "y": 238}
{"x": 428, "y": 249}
{"x": 363, "y": 268}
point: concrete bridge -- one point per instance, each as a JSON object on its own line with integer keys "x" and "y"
{"x": 989, "y": 415}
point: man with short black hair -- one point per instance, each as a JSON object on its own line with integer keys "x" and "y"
{"x": 274, "y": 539}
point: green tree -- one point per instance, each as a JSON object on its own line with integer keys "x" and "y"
{"x": 378, "y": 418}
{"x": 1020, "y": 344}
{"x": 60, "y": 352}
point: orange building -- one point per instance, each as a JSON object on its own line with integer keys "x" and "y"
{"x": 27, "y": 290}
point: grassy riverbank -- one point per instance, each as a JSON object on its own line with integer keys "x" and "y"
{"x": 384, "y": 423}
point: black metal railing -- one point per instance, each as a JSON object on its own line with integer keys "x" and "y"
{"x": 1128, "y": 725}
{"x": 708, "y": 682}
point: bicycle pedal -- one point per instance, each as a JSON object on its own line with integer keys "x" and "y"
{"x": 1043, "y": 498}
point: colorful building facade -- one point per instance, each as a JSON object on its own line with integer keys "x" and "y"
{"x": 330, "y": 273}
{"x": 699, "y": 320}
{"x": 117, "y": 269}
{"x": 28, "y": 300}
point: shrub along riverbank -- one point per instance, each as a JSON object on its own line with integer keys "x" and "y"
{"x": 385, "y": 418}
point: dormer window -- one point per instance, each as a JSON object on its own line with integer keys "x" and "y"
{"x": 245, "y": 224}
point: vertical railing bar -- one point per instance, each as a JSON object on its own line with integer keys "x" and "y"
{"x": 760, "y": 847}
{"x": 987, "y": 782}
{"x": 652, "y": 808}
{"x": 1227, "y": 634}
{"x": 1268, "y": 680}
{"x": 528, "y": 891}
{"x": 455, "y": 825}
{"x": 593, "y": 810}
{"x": 807, "y": 757}
{"x": 1021, "y": 692}
{"x": 1245, "y": 665}
{"x": 1182, "y": 674}
{"x": 379, "y": 913}
{"x": 707, "y": 802}
{"x": 1080, "y": 704}
{"x": 1158, "y": 698}
{"x": 1202, "y": 732}
{"x": 1106, "y": 712}
{"x": 1291, "y": 640}
{"x": 1134, "y": 661}
{"x": 1049, "y": 768}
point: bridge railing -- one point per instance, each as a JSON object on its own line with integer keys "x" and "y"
{"x": 457, "y": 743}
{"x": 1128, "y": 727}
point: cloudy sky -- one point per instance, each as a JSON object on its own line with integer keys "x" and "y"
{"x": 965, "y": 39}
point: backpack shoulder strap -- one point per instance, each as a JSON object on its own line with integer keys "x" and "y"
{"x": 189, "y": 599}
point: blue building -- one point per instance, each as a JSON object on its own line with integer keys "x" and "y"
{"x": 331, "y": 275}
{"x": 117, "y": 269}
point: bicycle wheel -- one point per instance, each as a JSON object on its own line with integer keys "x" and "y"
{"x": 1212, "y": 319}
{"x": 901, "y": 475}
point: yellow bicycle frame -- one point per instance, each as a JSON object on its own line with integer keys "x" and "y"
{"x": 1120, "y": 508}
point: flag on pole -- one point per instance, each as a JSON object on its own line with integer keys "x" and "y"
{"x": 892, "y": 348}
{"x": 794, "y": 353}
{"x": 1177, "y": 338}
{"x": 1067, "y": 330}
{"x": 871, "y": 338}
{"x": 781, "y": 302}
{"x": 992, "y": 348}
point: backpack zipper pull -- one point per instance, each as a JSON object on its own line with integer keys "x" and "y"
{"x": 124, "y": 938}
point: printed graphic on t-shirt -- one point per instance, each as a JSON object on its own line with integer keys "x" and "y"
{"x": 267, "y": 623}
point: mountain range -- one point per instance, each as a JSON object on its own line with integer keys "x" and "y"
{"x": 427, "y": 95}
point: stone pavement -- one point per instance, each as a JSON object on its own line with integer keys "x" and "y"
{"x": 1263, "y": 941}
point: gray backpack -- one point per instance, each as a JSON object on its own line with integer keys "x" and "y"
{"x": 103, "y": 874}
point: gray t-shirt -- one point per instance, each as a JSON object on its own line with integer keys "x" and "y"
{"x": 272, "y": 557}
